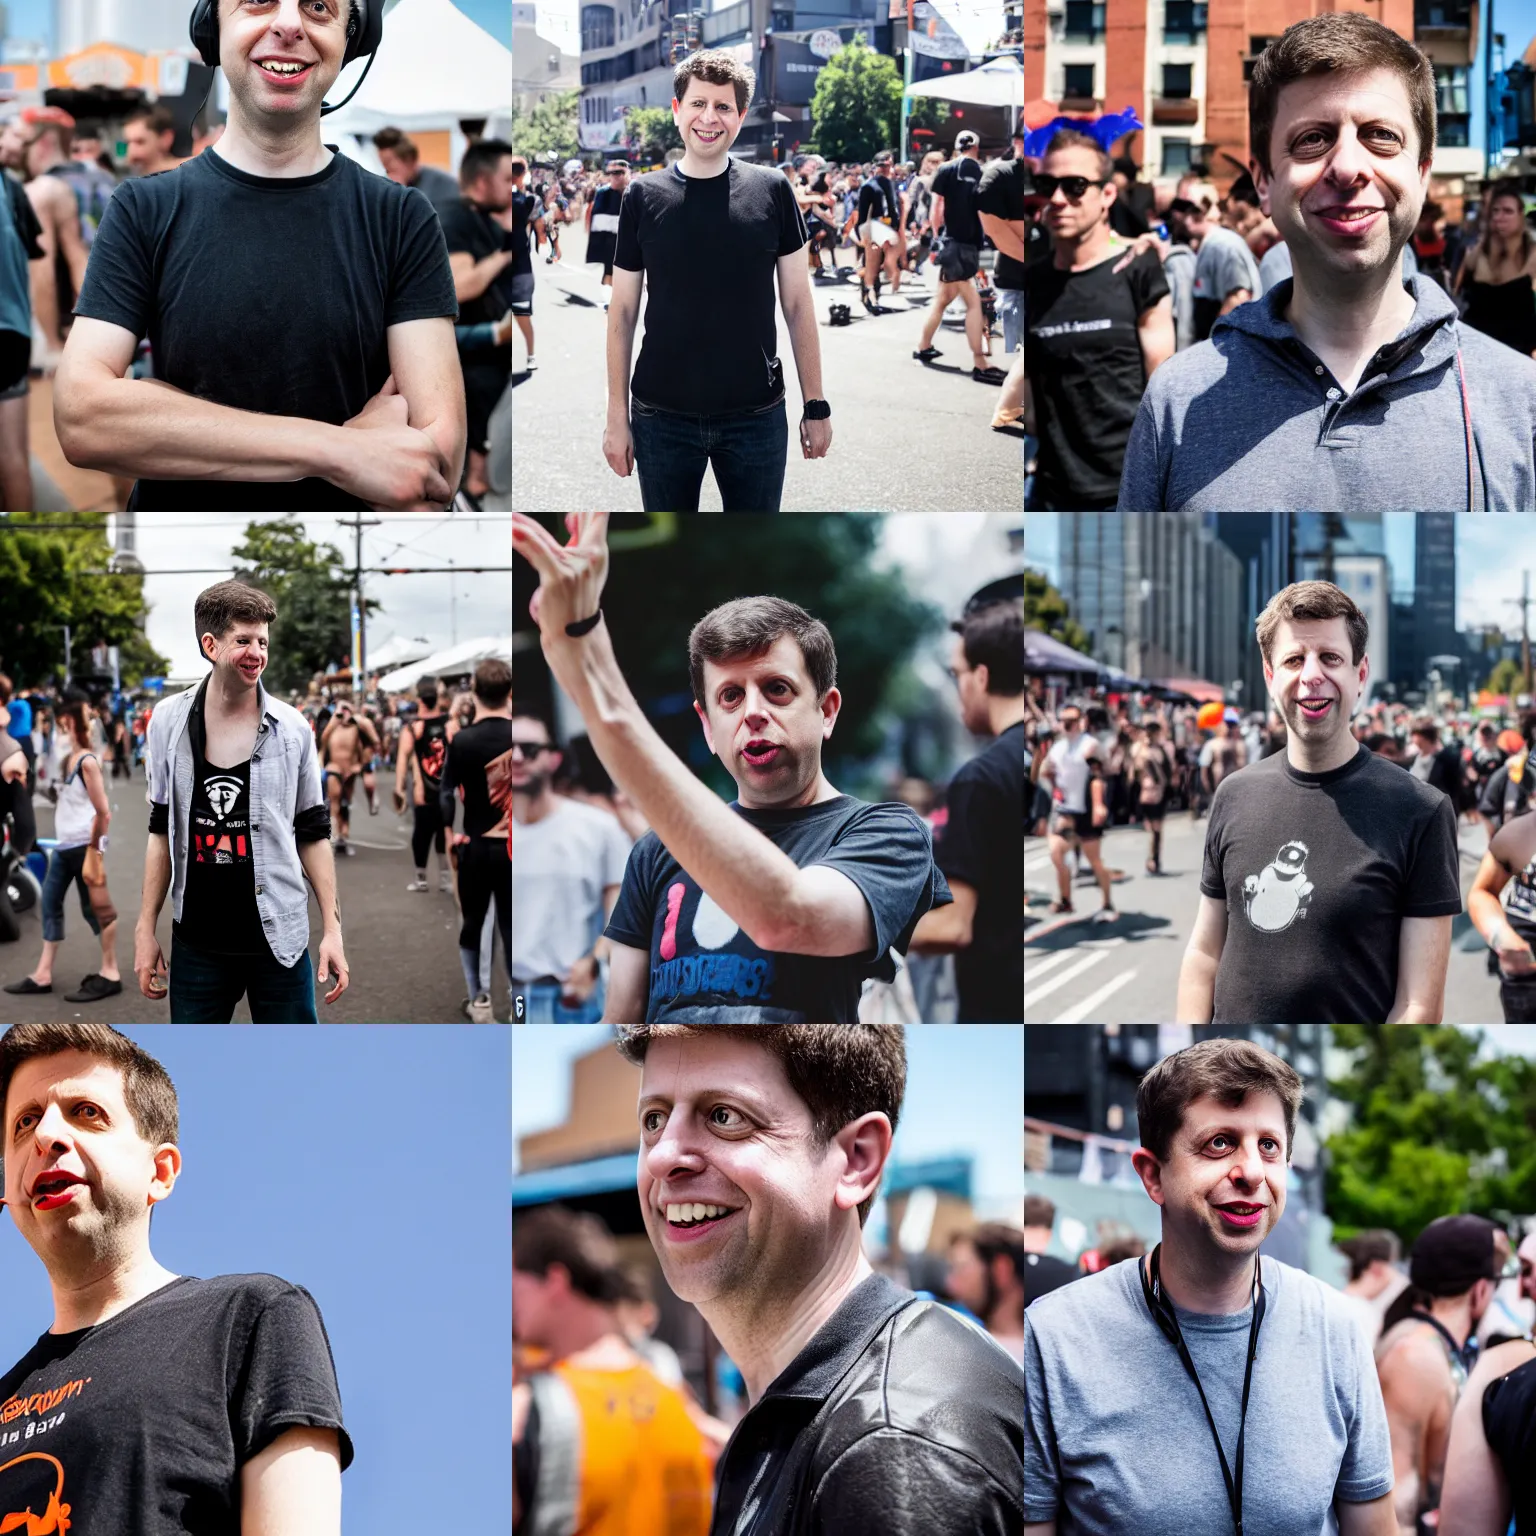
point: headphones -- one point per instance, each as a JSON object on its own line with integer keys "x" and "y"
{"x": 365, "y": 31}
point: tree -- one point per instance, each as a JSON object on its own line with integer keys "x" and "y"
{"x": 311, "y": 585}
{"x": 1046, "y": 609}
{"x": 45, "y": 565}
{"x": 856, "y": 111}
{"x": 550, "y": 131}
{"x": 926, "y": 112}
{"x": 652, "y": 131}
{"x": 1507, "y": 678}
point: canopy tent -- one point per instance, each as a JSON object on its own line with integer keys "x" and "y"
{"x": 1043, "y": 654}
{"x": 453, "y": 662}
{"x": 1196, "y": 687}
{"x": 397, "y": 651}
{"x": 997, "y": 83}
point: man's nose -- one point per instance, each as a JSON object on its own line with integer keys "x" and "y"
{"x": 51, "y": 1127}
{"x": 1350, "y": 158}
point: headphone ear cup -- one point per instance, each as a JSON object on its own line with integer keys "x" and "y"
{"x": 205, "y": 32}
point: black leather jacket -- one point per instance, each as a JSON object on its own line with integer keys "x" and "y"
{"x": 899, "y": 1418}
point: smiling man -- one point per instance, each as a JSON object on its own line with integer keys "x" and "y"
{"x": 873, "y": 1413}
{"x": 155, "y": 1403}
{"x": 1143, "y": 1380}
{"x": 1331, "y": 876}
{"x": 313, "y": 364}
{"x": 770, "y": 910}
{"x": 1345, "y": 386}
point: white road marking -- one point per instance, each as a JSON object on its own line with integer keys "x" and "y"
{"x": 1037, "y": 971}
{"x": 1038, "y": 994}
{"x": 1086, "y": 1008}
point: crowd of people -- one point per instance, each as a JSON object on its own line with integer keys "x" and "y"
{"x": 1280, "y": 309}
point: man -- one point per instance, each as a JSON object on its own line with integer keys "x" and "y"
{"x": 1128, "y": 214}
{"x": 1226, "y": 274}
{"x": 1507, "y": 794}
{"x": 478, "y": 770}
{"x": 983, "y": 926}
{"x": 421, "y": 752}
{"x": 1179, "y": 263}
{"x": 22, "y": 259}
{"x": 479, "y": 252}
{"x": 958, "y": 257}
{"x": 986, "y": 1275}
{"x": 245, "y": 1433}
{"x": 1223, "y": 755}
{"x": 233, "y": 785}
{"x": 602, "y": 220}
{"x": 878, "y": 221}
{"x": 567, "y": 869}
{"x": 1509, "y": 933}
{"x": 1152, "y": 766}
{"x": 1433, "y": 764}
{"x": 1373, "y": 1280}
{"x": 761, "y": 1151}
{"x": 401, "y": 159}
{"x": 338, "y": 390}
{"x": 1426, "y": 1351}
{"x": 1488, "y": 1478}
{"x": 347, "y": 744}
{"x": 594, "y": 1429}
{"x": 708, "y": 235}
{"x": 149, "y": 132}
{"x": 1144, "y": 1379}
{"x": 773, "y": 909}
{"x": 1331, "y": 876}
{"x": 1096, "y": 333}
{"x": 1042, "y": 1272}
{"x": 1074, "y": 773}
{"x": 1000, "y": 207}
{"x": 1345, "y": 387}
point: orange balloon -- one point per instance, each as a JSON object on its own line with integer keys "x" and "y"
{"x": 1210, "y": 715}
{"x": 1511, "y": 741}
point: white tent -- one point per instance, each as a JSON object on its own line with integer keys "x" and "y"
{"x": 397, "y": 651}
{"x": 454, "y": 662}
{"x": 998, "y": 83}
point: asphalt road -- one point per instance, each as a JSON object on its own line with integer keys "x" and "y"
{"x": 401, "y": 948}
{"x": 906, "y": 438}
{"x": 1077, "y": 971}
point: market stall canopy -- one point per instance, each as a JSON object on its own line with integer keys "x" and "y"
{"x": 999, "y": 83}
{"x": 397, "y": 651}
{"x": 1043, "y": 654}
{"x": 453, "y": 662}
{"x": 1195, "y": 687}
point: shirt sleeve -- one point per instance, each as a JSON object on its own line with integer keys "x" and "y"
{"x": 1433, "y": 884}
{"x": 792, "y": 232}
{"x": 286, "y": 1379}
{"x": 1149, "y": 284}
{"x": 1212, "y": 877}
{"x": 977, "y": 812}
{"x": 1141, "y": 481}
{"x": 27, "y": 225}
{"x": 626, "y": 247}
{"x": 447, "y": 790}
{"x": 119, "y": 280}
{"x": 942, "y": 178}
{"x": 156, "y": 748}
{"x": 1365, "y": 1472}
{"x": 990, "y": 196}
{"x": 1042, "y": 1470}
{"x": 634, "y": 912}
{"x": 421, "y": 281}
{"x": 1491, "y": 802}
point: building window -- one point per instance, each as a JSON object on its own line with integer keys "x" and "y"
{"x": 1256, "y": 46}
{"x": 1453, "y": 119}
{"x": 1077, "y": 82}
{"x": 1178, "y": 81}
{"x": 1183, "y": 21}
{"x": 1178, "y": 155}
{"x": 1084, "y": 21}
{"x": 596, "y": 27}
{"x": 1432, "y": 15}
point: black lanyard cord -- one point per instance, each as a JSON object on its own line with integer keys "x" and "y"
{"x": 1168, "y": 1321}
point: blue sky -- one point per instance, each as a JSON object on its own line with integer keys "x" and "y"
{"x": 368, "y": 1164}
{"x": 965, "y": 1095}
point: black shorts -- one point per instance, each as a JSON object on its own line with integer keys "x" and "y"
{"x": 1076, "y": 826}
{"x": 958, "y": 263}
{"x": 1154, "y": 810}
{"x": 522, "y": 293}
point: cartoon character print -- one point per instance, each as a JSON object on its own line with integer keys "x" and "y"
{"x": 1275, "y": 897}
{"x": 53, "y": 1517}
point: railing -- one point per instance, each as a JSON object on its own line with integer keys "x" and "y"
{"x": 1089, "y": 1158}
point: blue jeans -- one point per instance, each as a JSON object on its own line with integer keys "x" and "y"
{"x": 672, "y": 451}
{"x": 542, "y": 1005}
{"x": 205, "y": 987}
{"x": 64, "y": 866}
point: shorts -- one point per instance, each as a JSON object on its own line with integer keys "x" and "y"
{"x": 1517, "y": 997}
{"x": 876, "y": 232}
{"x": 522, "y": 293}
{"x": 1154, "y": 810}
{"x": 15, "y": 358}
{"x": 1010, "y": 309}
{"x": 601, "y": 245}
{"x": 958, "y": 263}
{"x": 1075, "y": 826}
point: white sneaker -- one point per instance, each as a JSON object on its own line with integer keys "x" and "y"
{"x": 530, "y": 365}
{"x": 417, "y": 885}
{"x": 1106, "y": 915}
{"x": 480, "y": 1010}
{"x": 444, "y": 882}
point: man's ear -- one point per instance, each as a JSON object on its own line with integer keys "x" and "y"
{"x": 1261, "y": 182}
{"x": 703, "y": 714}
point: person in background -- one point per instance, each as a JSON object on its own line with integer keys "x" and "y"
{"x": 986, "y": 1274}
{"x": 1042, "y": 1273}
{"x": 89, "y": 149}
{"x": 401, "y": 160}
{"x": 150, "y": 131}
{"x": 1373, "y": 1281}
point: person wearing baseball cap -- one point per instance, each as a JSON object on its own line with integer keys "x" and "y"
{"x": 1428, "y": 1348}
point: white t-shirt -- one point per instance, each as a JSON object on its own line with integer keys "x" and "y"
{"x": 1069, "y": 763}
{"x": 559, "y": 868}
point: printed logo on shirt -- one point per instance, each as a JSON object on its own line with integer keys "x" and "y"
{"x": 1275, "y": 897}
{"x": 1074, "y": 327}
{"x": 694, "y": 959}
{"x": 34, "y": 1479}
{"x": 223, "y": 791}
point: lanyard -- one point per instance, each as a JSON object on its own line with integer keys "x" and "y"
{"x": 1168, "y": 1321}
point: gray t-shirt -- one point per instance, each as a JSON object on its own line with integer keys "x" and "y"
{"x": 1224, "y": 265}
{"x": 1115, "y": 1439}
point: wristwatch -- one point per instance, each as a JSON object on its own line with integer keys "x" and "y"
{"x": 817, "y": 410}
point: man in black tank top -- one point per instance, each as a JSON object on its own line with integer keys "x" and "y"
{"x": 422, "y": 753}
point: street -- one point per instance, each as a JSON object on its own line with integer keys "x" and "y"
{"x": 1076, "y": 971}
{"x": 906, "y": 438}
{"x": 401, "y": 948}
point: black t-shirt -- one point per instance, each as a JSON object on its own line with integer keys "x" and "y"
{"x": 877, "y": 200}
{"x": 218, "y": 912}
{"x": 140, "y": 1425}
{"x": 1509, "y": 1426}
{"x": 957, "y": 183}
{"x": 1043, "y": 1274}
{"x": 524, "y": 213}
{"x": 1083, "y": 359}
{"x": 709, "y": 247}
{"x": 429, "y": 746}
{"x": 467, "y": 227}
{"x": 1001, "y": 194}
{"x": 475, "y": 754}
{"x": 1491, "y": 802}
{"x": 705, "y": 970}
{"x": 1317, "y": 872}
{"x": 268, "y": 294}
{"x": 986, "y": 802}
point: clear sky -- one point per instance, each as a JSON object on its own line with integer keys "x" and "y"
{"x": 368, "y": 1164}
{"x": 965, "y": 1095}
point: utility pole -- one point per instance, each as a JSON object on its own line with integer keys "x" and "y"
{"x": 359, "y": 610}
{"x": 1523, "y": 603}
{"x": 453, "y": 602}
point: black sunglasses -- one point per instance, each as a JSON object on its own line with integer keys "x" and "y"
{"x": 1073, "y": 186}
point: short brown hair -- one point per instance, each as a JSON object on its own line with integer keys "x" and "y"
{"x": 1312, "y": 600}
{"x": 718, "y": 67}
{"x": 394, "y": 140}
{"x": 841, "y": 1071}
{"x": 1365, "y": 1248}
{"x": 157, "y": 115}
{"x": 493, "y": 682}
{"x": 1039, "y": 1212}
{"x": 576, "y": 1240}
{"x": 1070, "y": 138}
{"x": 748, "y": 627}
{"x": 1348, "y": 43}
{"x": 994, "y": 636}
{"x": 227, "y": 603}
{"x": 1229, "y": 1070}
{"x": 148, "y": 1090}
{"x": 996, "y": 1240}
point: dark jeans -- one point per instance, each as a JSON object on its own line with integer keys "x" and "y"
{"x": 205, "y": 987}
{"x": 1518, "y": 999}
{"x": 746, "y": 452}
{"x": 485, "y": 876}
{"x": 427, "y": 831}
{"x": 64, "y": 868}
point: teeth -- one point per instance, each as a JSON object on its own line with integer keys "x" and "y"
{"x": 284, "y": 69}
{"x": 694, "y": 1211}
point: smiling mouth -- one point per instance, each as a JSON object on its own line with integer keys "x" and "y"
{"x": 283, "y": 71}
{"x": 709, "y": 138}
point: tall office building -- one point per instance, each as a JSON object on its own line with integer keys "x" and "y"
{"x": 1434, "y": 592}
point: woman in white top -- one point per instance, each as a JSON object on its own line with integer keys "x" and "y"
{"x": 80, "y": 822}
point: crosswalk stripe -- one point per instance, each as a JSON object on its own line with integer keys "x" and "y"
{"x": 1037, "y": 971}
{"x": 1085, "y": 1008}
{"x": 1038, "y": 994}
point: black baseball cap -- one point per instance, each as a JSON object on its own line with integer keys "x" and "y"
{"x": 1452, "y": 1254}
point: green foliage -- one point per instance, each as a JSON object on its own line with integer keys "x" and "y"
{"x": 1435, "y": 1131}
{"x": 652, "y": 131}
{"x": 312, "y": 587}
{"x": 1507, "y": 678}
{"x": 44, "y": 561}
{"x": 925, "y": 112}
{"x": 856, "y": 110}
{"x": 550, "y": 129}
{"x": 1045, "y": 609}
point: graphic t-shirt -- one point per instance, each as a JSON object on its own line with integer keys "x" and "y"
{"x": 1318, "y": 870}
{"x": 709, "y": 246}
{"x": 1001, "y": 194}
{"x": 140, "y": 1425}
{"x": 219, "y": 910}
{"x": 705, "y": 970}
{"x": 429, "y": 746}
{"x": 189, "y": 257}
{"x": 985, "y": 799}
{"x": 958, "y": 183}
{"x": 1082, "y": 356}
